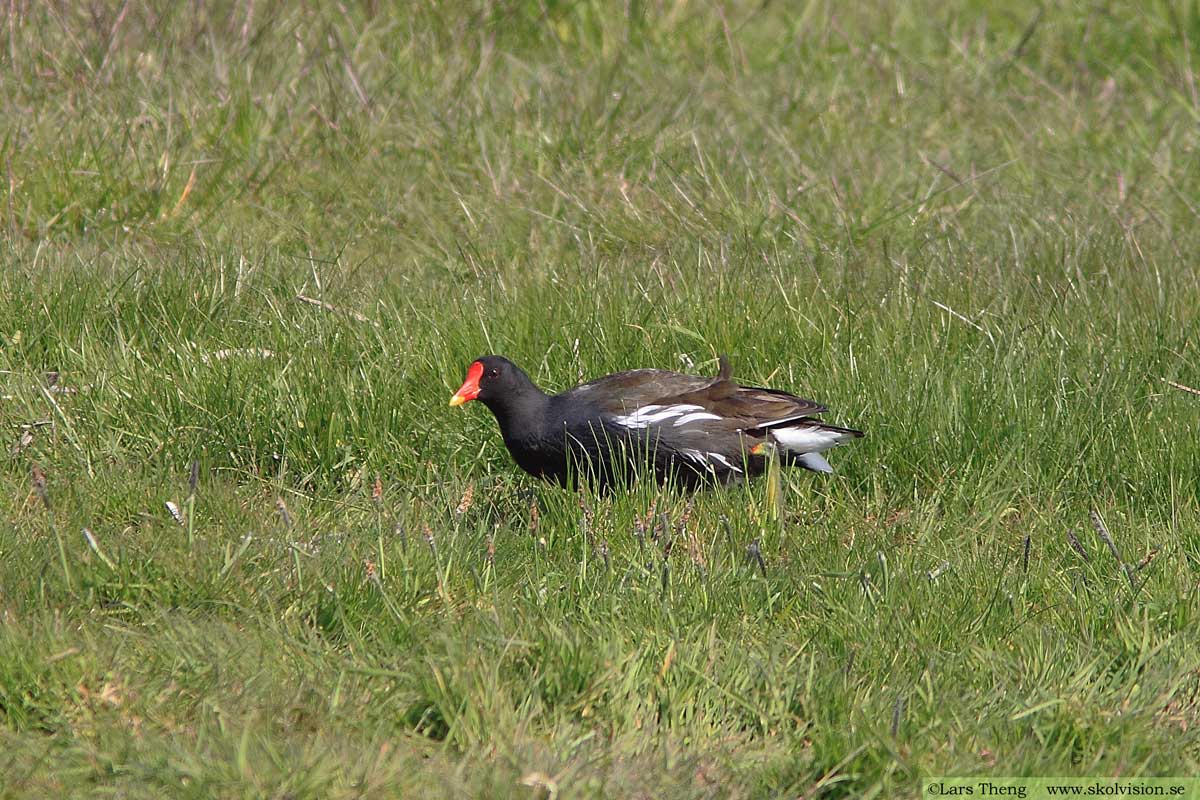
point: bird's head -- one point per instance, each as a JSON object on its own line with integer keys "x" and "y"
{"x": 489, "y": 378}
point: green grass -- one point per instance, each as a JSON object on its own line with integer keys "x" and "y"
{"x": 972, "y": 232}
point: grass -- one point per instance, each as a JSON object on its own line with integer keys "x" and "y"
{"x": 971, "y": 231}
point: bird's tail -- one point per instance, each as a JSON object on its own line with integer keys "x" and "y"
{"x": 802, "y": 444}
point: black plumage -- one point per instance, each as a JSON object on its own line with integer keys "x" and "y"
{"x": 694, "y": 429}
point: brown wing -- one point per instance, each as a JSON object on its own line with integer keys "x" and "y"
{"x": 753, "y": 408}
{"x": 655, "y": 391}
{"x": 624, "y": 392}
{"x": 761, "y": 409}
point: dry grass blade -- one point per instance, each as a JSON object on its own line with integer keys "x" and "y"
{"x": 1149, "y": 557}
{"x": 237, "y": 352}
{"x": 965, "y": 320}
{"x": 23, "y": 442}
{"x": 187, "y": 190}
{"x": 95, "y": 548}
{"x": 1181, "y": 387}
{"x": 331, "y": 308}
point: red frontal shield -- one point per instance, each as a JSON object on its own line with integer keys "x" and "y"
{"x": 470, "y": 388}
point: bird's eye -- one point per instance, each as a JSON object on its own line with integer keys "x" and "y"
{"x": 494, "y": 373}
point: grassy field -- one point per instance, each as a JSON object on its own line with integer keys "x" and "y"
{"x": 972, "y": 232}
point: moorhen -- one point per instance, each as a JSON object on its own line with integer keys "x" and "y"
{"x": 695, "y": 429}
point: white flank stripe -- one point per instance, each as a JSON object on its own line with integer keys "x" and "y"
{"x": 723, "y": 460}
{"x": 704, "y": 458}
{"x": 646, "y": 415}
{"x": 808, "y": 440}
{"x": 699, "y": 415}
{"x": 668, "y": 412}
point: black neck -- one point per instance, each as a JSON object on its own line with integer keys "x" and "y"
{"x": 521, "y": 411}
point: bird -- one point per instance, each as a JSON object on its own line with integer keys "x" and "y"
{"x": 690, "y": 429}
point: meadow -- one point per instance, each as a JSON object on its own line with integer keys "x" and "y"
{"x": 249, "y": 249}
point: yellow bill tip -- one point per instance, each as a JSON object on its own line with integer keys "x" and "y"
{"x": 457, "y": 400}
